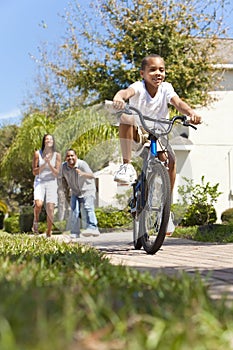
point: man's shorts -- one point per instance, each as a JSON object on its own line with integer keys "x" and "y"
{"x": 45, "y": 191}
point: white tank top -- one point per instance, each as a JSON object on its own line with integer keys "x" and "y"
{"x": 46, "y": 174}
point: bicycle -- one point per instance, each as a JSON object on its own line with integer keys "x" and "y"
{"x": 151, "y": 201}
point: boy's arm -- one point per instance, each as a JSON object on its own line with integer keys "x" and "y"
{"x": 184, "y": 108}
{"x": 122, "y": 96}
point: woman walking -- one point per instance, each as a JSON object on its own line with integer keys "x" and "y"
{"x": 45, "y": 167}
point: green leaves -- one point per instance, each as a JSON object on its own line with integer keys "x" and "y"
{"x": 198, "y": 200}
{"x": 110, "y": 52}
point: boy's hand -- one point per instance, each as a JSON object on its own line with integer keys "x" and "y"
{"x": 195, "y": 119}
{"x": 118, "y": 103}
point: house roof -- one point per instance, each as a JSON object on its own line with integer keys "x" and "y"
{"x": 224, "y": 51}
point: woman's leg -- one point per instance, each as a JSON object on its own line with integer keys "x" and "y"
{"x": 50, "y": 218}
{"x": 37, "y": 209}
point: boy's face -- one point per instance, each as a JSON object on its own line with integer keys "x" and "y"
{"x": 154, "y": 72}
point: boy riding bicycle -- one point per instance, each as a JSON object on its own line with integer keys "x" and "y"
{"x": 151, "y": 96}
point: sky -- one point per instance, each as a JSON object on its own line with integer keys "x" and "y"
{"x": 22, "y": 31}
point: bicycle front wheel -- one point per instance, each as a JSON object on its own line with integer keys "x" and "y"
{"x": 136, "y": 237}
{"x": 155, "y": 214}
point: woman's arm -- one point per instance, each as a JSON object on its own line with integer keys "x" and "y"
{"x": 55, "y": 169}
{"x": 36, "y": 170}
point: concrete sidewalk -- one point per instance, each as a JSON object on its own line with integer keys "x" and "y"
{"x": 214, "y": 262}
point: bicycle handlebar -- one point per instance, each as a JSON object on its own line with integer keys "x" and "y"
{"x": 128, "y": 110}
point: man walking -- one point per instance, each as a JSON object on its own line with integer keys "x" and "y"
{"x": 79, "y": 178}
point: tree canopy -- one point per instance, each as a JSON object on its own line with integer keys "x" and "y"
{"x": 101, "y": 53}
{"x": 106, "y": 56}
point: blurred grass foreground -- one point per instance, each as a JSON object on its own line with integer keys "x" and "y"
{"x": 68, "y": 296}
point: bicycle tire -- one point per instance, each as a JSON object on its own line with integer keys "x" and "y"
{"x": 155, "y": 214}
{"x": 137, "y": 242}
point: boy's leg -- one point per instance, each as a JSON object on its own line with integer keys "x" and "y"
{"x": 170, "y": 156}
{"x": 164, "y": 156}
{"x": 127, "y": 133}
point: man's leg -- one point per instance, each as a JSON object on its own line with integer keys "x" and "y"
{"x": 91, "y": 221}
{"x": 75, "y": 221}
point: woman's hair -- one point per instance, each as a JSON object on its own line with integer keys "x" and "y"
{"x": 145, "y": 60}
{"x": 43, "y": 143}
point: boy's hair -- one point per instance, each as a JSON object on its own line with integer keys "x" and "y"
{"x": 145, "y": 60}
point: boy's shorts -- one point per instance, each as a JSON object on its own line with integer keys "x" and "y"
{"x": 162, "y": 143}
{"x": 45, "y": 191}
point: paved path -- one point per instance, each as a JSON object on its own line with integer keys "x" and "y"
{"x": 213, "y": 261}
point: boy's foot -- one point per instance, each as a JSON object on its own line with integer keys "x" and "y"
{"x": 90, "y": 232}
{"x": 126, "y": 174}
{"x": 170, "y": 226}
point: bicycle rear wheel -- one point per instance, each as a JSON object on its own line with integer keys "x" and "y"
{"x": 155, "y": 215}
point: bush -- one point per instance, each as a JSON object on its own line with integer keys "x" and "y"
{"x": 199, "y": 214}
{"x": 26, "y": 219}
{"x": 110, "y": 217}
{"x": 11, "y": 224}
{"x": 178, "y": 211}
{"x": 199, "y": 200}
{"x": 227, "y": 216}
{"x": 2, "y": 215}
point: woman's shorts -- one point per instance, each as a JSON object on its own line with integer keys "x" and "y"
{"x": 45, "y": 191}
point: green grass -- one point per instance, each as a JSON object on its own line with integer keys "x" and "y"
{"x": 68, "y": 296}
{"x": 215, "y": 233}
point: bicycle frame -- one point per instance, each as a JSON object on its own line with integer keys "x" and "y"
{"x": 150, "y": 205}
{"x": 152, "y": 155}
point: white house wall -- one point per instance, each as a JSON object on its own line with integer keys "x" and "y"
{"x": 212, "y": 150}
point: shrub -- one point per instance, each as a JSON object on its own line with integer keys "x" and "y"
{"x": 227, "y": 216}
{"x": 199, "y": 200}
{"x": 199, "y": 214}
{"x": 26, "y": 219}
{"x": 11, "y": 224}
{"x": 110, "y": 217}
{"x": 2, "y": 215}
{"x": 178, "y": 211}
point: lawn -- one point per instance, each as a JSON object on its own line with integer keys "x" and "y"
{"x": 68, "y": 296}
